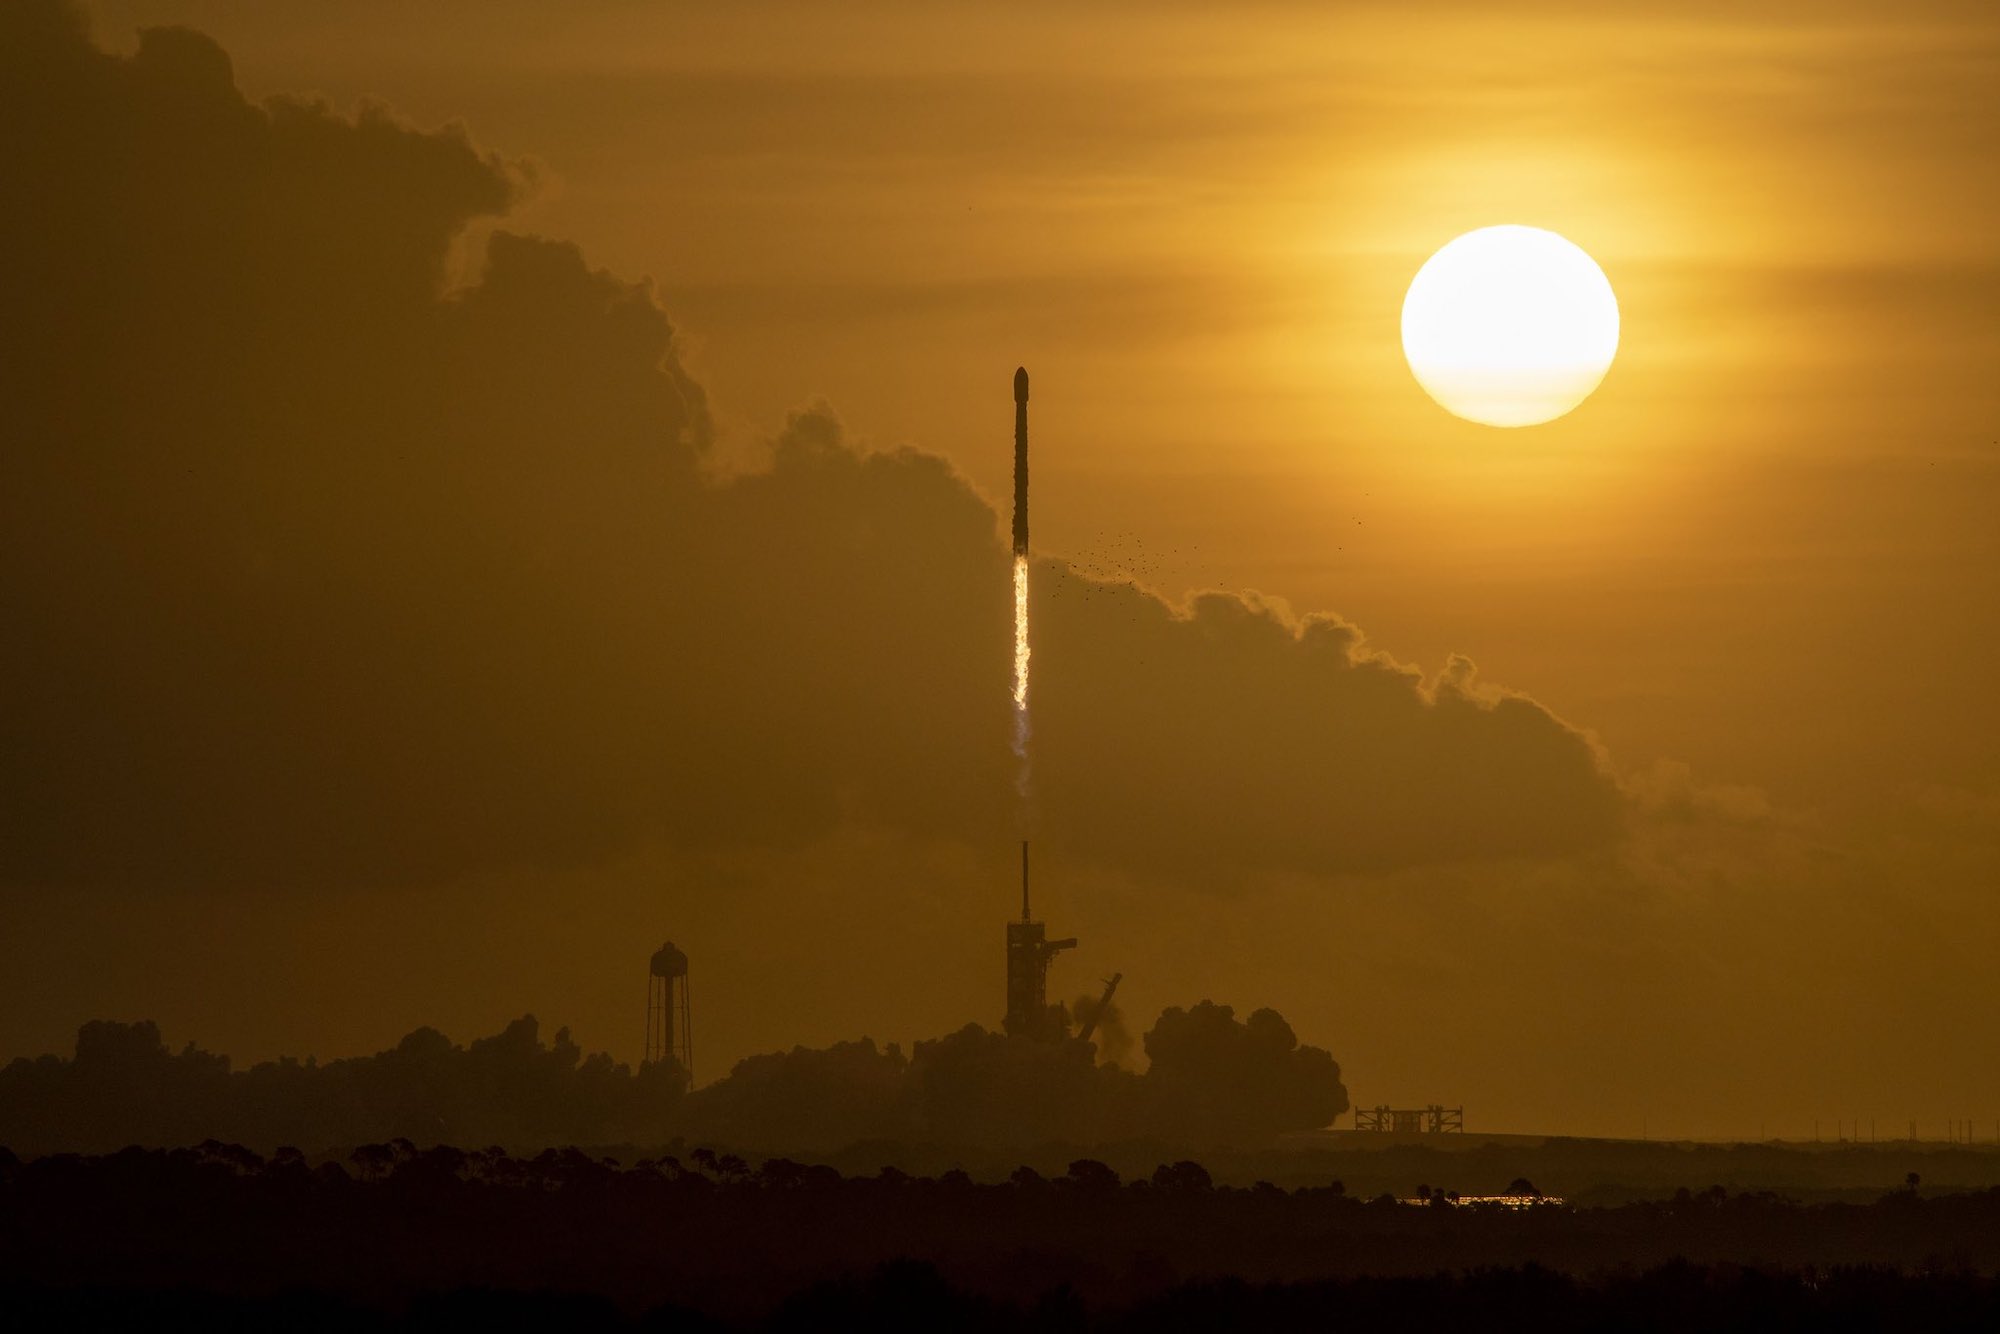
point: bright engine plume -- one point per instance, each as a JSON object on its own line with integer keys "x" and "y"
{"x": 1021, "y": 654}
{"x": 1021, "y": 650}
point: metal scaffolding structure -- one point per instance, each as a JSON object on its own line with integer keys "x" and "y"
{"x": 1431, "y": 1120}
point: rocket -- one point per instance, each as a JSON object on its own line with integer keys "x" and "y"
{"x": 1021, "y": 462}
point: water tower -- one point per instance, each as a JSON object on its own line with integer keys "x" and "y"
{"x": 669, "y": 1031}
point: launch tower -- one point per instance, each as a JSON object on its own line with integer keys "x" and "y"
{"x": 1029, "y": 951}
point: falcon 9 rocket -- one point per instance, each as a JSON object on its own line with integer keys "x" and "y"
{"x": 1021, "y": 461}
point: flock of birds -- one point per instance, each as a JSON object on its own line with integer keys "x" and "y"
{"x": 1117, "y": 563}
{"x": 1121, "y": 557}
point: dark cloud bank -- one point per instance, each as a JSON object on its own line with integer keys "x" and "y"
{"x": 317, "y": 571}
{"x": 1213, "y": 1081}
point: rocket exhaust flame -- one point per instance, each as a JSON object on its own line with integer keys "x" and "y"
{"x": 1021, "y": 650}
{"x": 1021, "y": 655}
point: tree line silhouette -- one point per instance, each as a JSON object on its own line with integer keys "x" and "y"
{"x": 123, "y": 1086}
{"x": 1212, "y": 1080}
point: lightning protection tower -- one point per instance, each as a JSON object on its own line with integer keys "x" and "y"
{"x": 669, "y": 1025}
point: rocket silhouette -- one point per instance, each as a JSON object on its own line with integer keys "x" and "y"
{"x": 1021, "y": 461}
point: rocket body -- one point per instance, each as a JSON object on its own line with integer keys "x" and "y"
{"x": 1021, "y": 462}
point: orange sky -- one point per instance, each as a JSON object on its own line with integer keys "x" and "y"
{"x": 1197, "y": 228}
{"x": 1765, "y": 549}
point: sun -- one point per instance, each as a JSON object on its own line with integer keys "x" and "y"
{"x": 1510, "y": 326}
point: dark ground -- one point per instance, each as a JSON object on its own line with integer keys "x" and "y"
{"x": 1590, "y": 1172}
{"x": 424, "y": 1238}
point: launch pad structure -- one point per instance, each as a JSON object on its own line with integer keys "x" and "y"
{"x": 1029, "y": 952}
{"x": 1431, "y": 1120}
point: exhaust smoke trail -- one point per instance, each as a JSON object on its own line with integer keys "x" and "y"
{"x": 1021, "y": 651}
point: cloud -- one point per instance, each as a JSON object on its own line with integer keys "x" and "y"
{"x": 1212, "y": 1080}
{"x": 1220, "y": 1078}
{"x": 1229, "y": 733}
{"x": 318, "y": 572}
{"x": 808, "y": 1099}
{"x": 1110, "y": 1035}
{"x": 1669, "y": 789}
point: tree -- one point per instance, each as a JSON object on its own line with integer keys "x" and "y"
{"x": 1089, "y": 1174}
{"x": 1183, "y": 1175}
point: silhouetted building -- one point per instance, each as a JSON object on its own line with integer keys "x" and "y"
{"x": 1029, "y": 951}
{"x": 1431, "y": 1120}
{"x": 669, "y": 1023}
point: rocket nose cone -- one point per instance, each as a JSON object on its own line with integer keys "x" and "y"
{"x": 1020, "y": 384}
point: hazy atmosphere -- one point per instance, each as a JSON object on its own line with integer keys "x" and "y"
{"x": 490, "y": 487}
